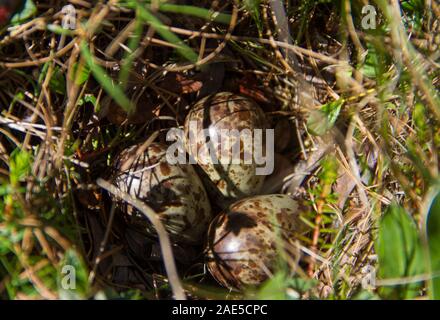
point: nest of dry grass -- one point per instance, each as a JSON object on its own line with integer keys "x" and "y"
{"x": 347, "y": 142}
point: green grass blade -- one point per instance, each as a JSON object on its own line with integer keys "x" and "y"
{"x": 129, "y": 57}
{"x": 114, "y": 90}
{"x": 196, "y": 12}
{"x": 253, "y": 6}
{"x": 189, "y": 10}
{"x": 165, "y": 33}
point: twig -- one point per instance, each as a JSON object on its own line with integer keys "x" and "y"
{"x": 164, "y": 240}
{"x": 99, "y": 258}
{"x": 31, "y": 63}
{"x": 354, "y": 166}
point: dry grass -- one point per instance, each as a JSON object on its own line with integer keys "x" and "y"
{"x": 357, "y": 112}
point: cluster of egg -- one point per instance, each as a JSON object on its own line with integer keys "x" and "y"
{"x": 242, "y": 239}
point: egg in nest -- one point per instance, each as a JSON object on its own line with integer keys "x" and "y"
{"x": 211, "y": 129}
{"x": 174, "y": 192}
{"x": 243, "y": 242}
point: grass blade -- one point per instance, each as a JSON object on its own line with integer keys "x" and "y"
{"x": 400, "y": 253}
{"x": 196, "y": 12}
{"x": 165, "y": 33}
{"x": 114, "y": 90}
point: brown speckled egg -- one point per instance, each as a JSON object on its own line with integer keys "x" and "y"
{"x": 242, "y": 242}
{"x": 225, "y": 181}
{"x": 175, "y": 192}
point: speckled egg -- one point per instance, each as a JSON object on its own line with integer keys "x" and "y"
{"x": 213, "y": 117}
{"x": 242, "y": 242}
{"x": 175, "y": 192}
